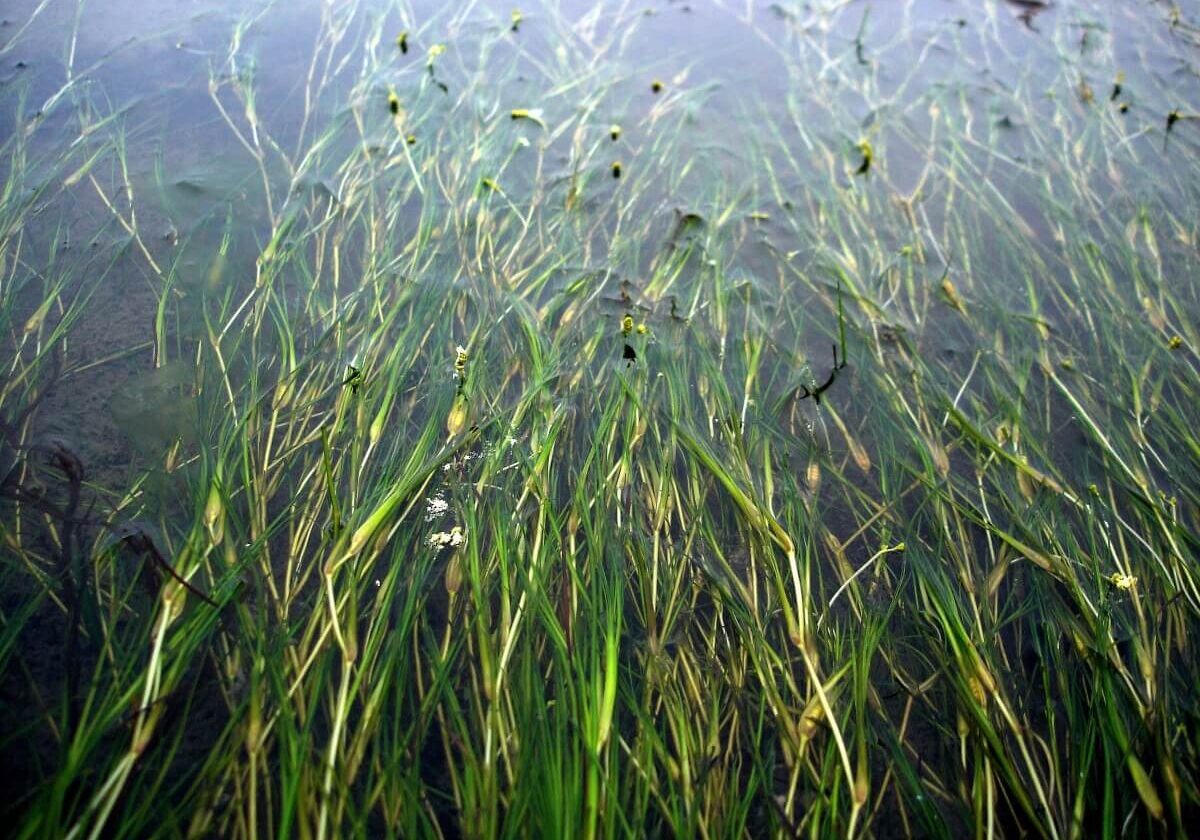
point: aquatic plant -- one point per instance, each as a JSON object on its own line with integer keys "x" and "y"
{"x": 476, "y": 492}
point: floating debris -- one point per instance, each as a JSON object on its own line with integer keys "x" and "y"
{"x": 1029, "y": 10}
{"x": 435, "y": 506}
{"x": 805, "y": 392}
{"x": 454, "y": 538}
{"x": 460, "y": 361}
{"x": 1116, "y": 88}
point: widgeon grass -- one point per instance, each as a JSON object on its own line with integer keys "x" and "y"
{"x": 831, "y": 472}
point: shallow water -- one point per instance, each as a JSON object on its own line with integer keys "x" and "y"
{"x": 814, "y": 77}
{"x": 987, "y": 209}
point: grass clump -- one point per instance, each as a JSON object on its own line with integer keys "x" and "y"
{"x": 492, "y": 500}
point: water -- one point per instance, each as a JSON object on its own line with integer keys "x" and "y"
{"x": 916, "y": 272}
{"x": 826, "y": 73}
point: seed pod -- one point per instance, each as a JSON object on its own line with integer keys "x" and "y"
{"x": 986, "y": 680}
{"x": 939, "y": 456}
{"x": 813, "y": 716}
{"x": 1145, "y": 787}
{"x": 39, "y": 315}
{"x": 812, "y": 477}
{"x": 283, "y": 394}
{"x": 568, "y": 314}
{"x": 254, "y": 723}
{"x": 376, "y": 430}
{"x": 976, "y": 689}
{"x": 614, "y": 131}
{"x": 174, "y": 597}
{"x": 214, "y": 514}
{"x": 1023, "y": 482}
{"x": 861, "y": 783}
{"x": 171, "y": 460}
{"x": 457, "y": 418}
{"x": 454, "y": 577}
{"x": 1145, "y": 663}
{"x": 997, "y": 575}
{"x": 951, "y": 292}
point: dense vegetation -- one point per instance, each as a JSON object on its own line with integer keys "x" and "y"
{"x": 543, "y": 435}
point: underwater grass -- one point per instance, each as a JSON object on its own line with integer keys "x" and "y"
{"x": 525, "y": 500}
